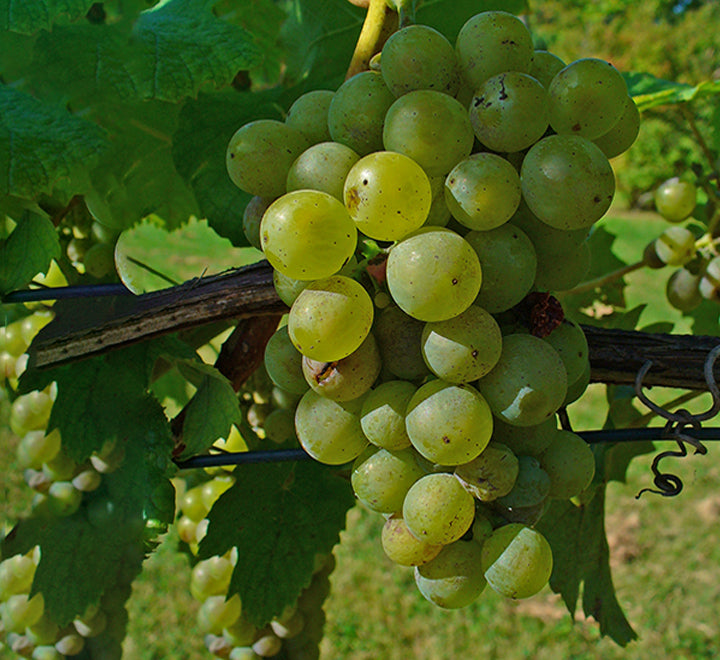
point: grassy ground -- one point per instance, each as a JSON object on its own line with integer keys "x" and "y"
{"x": 664, "y": 554}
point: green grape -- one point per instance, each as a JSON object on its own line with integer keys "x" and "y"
{"x": 419, "y": 57}
{"x": 439, "y": 214}
{"x": 280, "y": 426}
{"x": 16, "y": 576}
{"x": 7, "y": 366}
{"x": 623, "y": 133}
{"x": 437, "y": 509}
{"x": 675, "y": 199}
{"x": 330, "y": 318}
{"x": 217, "y": 613}
{"x": 490, "y": 475}
{"x": 64, "y": 498}
{"x": 260, "y": 154}
{"x": 481, "y": 529}
{"x": 490, "y": 43}
{"x": 402, "y": 547}
{"x": 210, "y": 577}
{"x": 267, "y": 646}
{"x": 192, "y": 505}
{"x": 46, "y": 652}
{"x": 586, "y": 98}
{"x": 211, "y": 490}
{"x": 323, "y": 167}
{"x": 448, "y": 424}
{"x": 60, "y": 468}
{"x": 430, "y": 127}
{"x": 531, "y": 487}
{"x": 509, "y": 111}
{"x": 577, "y": 388}
{"x": 682, "y": 290}
{"x": 463, "y": 348}
{"x": 454, "y": 578}
{"x": 243, "y": 653}
{"x": 11, "y": 339}
{"x": 509, "y": 266}
{"x": 570, "y": 464}
{"x": 517, "y": 561}
{"x": 70, "y": 644}
{"x": 482, "y": 191}
{"x": 109, "y": 458}
{"x": 309, "y": 115}
{"x": 381, "y": 478}
{"x": 287, "y": 288}
{"x": 570, "y": 342}
{"x": 36, "y": 448}
{"x": 709, "y": 286}
{"x": 348, "y": 378}
{"x": 383, "y": 414}
{"x": 99, "y": 260}
{"x": 31, "y": 325}
{"x": 20, "y": 611}
{"x": 525, "y": 440}
{"x": 544, "y": 66}
{"x": 357, "y": 112}
{"x": 91, "y": 626}
{"x": 329, "y": 430}
{"x": 307, "y": 235}
{"x": 252, "y": 217}
{"x": 675, "y": 246}
{"x": 87, "y": 480}
{"x": 528, "y": 384}
{"x": 240, "y": 633}
{"x": 398, "y": 336}
{"x": 289, "y": 627}
{"x": 567, "y": 181}
{"x": 30, "y": 412}
{"x": 433, "y": 274}
{"x": 283, "y": 362}
{"x": 388, "y": 195}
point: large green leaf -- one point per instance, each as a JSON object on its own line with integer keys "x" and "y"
{"x": 649, "y": 92}
{"x": 29, "y": 16}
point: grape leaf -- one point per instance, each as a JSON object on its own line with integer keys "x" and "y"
{"x": 279, "y": 516}
{"x": 649, "y": 92}
{"x": 42, "y": 146}
{"x": 29, "y": 16}
{"x": 27, "y": 251}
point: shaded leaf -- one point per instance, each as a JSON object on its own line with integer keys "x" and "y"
{"x": 29, "y": 16}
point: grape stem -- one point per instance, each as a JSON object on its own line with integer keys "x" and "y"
{"x": 600, "y": 282}
{"x": 375, "y": 30}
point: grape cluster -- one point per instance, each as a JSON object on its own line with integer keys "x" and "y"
{"x": 417, "y": 220}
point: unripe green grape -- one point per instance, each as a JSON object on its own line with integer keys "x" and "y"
{"x": 192, "y": 505}
{"x": 37, "y": 447}
{"x": 544, "y": 66}
{"x": 211, "y": 490}
{"x": 402, "y": 547}
{"x": 675, "y": 199}
{"x": 91, "y": 626}
{"x": 70, "y": 644}
{"x": 709, "y": 286}
{"x": 437, "y": 509}
{"x": 398, "y": 336}
{"x": 357, "y": 112}
{"x": 307, "y": 235}
{"x": 243, "y": 653}
{"x": 252, "y": 217}
{"x": 623, "y": 133}
{"x": 509, "y": 112}
{"x": 309, "y": 115}
{"x": 16, "y": 576}
{"x": 454, "y": 578}
{"x": 586, "y": 98}
{"x": 260, "y": 154}
{"x": 46, "y": 652}
{"x": 31, "y": 325}
{"x": 448, "y": 424}
{"x": 216, "y": 613}
{"x": 20, "y": 611}
{"x": 492, "y": 42}
{"x": 570, "y": 342}
{"x": 64, "y": 498}
{"x": 463, "y": 348}
{"x": 287, "y": 288}
{"x": 240, "y": 633}
{"x": 570, "y": 464}
{"x": 383, "y": 414}
{"x": 675, "y": 246}
{"x": 330, "y": 318}
{"x": 30, "y": 412}
{"x": 280, "y": 426}
{"x": 7, "y": 367}
{"x": 490, "y": 475}
{"x": 481, "y": 529}
{"x": 439, "y": 213}
{"x": 267, "y": 646}
{"x": 529, "y": 382}
{"x": 388, "y": 195}
{"x": 531, "y": 487}
{"x": 430, "y": 127}
{"x": 289, "y": 627}
{"x": 283, "y": 362}
{"x": 322, "y": 167}
{"x": 11, "y": 339}
{"x": 483, "y": 191}
{"x": 109, "y": 458}
{"x": 43, "y": 632}
{"x": 433, "y": 274}
{"x": 577, "y": 388}
{"x": 683, "y": 291}
{"x": 87, "y": 480}
{"x": 210, "y": 577}
{"x": 329, "y": 430}
{"x": 186, "y": 529}
{"x": 517, "y": 561}
{"x": 99, "y": 260}
{"x": 60, "y": 468}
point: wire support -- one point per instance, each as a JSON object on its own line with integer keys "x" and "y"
{"x": 66, "y": 292}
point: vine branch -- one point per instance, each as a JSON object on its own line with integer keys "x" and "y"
{"x": 378, "y": 26}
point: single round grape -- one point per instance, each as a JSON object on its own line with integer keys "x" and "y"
{"x": 525, "y": 440}
{"x": 402, "y": 547}
{"x": 481, "y": 528}
{"x": 433, "y": 274}
{"x": 509, "y": 112}
{"x": 330, "y": 318}
{"x": 210, "y": 577}
{"x": 463, "y": 348}
{"x": 46, "y": 652}
{"x": 383, "y": 414}
{"x": 388, "y": 195}
{"x": 509, "y": 266}
{"x": 217, "y": 613}
{"x": 683, "y": 291}
{"x": 64, "y": 498}
{"x": 287, "y": 288}
{"x": 70, "y": 644}
{"x": 586, "y": 98}
{"x": 439, "y": 214}
{"x": 307, "y": 235}
{"x": 675, "y": 246}
{"x": 448, "y": 424}
{"x": 544, "y": 66}
{"x": 623, "y": 133}
{"x": 517, "y": 561}
{"x": 252, "y": 217}
{"x": 419, "y": 57}
{"x": 483, "y": 191}
{"x": 437, "y": 509}
{"x": 490, "y": 43}
{"x": 570, "y": 464}
{"x": 398, "y": 336}
{"x": 87, "y": 481}
{"x": 323, "y": 167}
{"x": 20, "y": 611}
{"x": 267, "y": 646}
{"x": 30, "y": 412}
{"x": 99, "y": 260}
{"x": 240, "y": 633}
{"x": 577, "y": 388}
{"x": 531, "y": 487}
{"x": 309, "y": 115}
{"x": 567, "y": 181}
{"x": 16, "y": 576}
{"x": 675, "y": 199}
{"x": 430, "y": 127}
{"x": 329, "y": 430}
{"x": 192, "y": 505}
{"x": 490, "y": 475}
{"x": 260, "y": 154}
{"x": 709, "y": 286}
{"x": 570, "y": 342}
{"x": 91, "y": 626}
{"x": 381, "y": 478}
{"x": 279, "y": 426}
{"x": 211, "y": 490}
{"x": 357, "y": 112}
{"x": 529, "y": 382}
{"x": 11, "y": 339}
{"x": 37, "y": 447}
{"x": 454, "y": 578}
{"x": 283, "y": 362}
{"x": 60, "y": 468}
